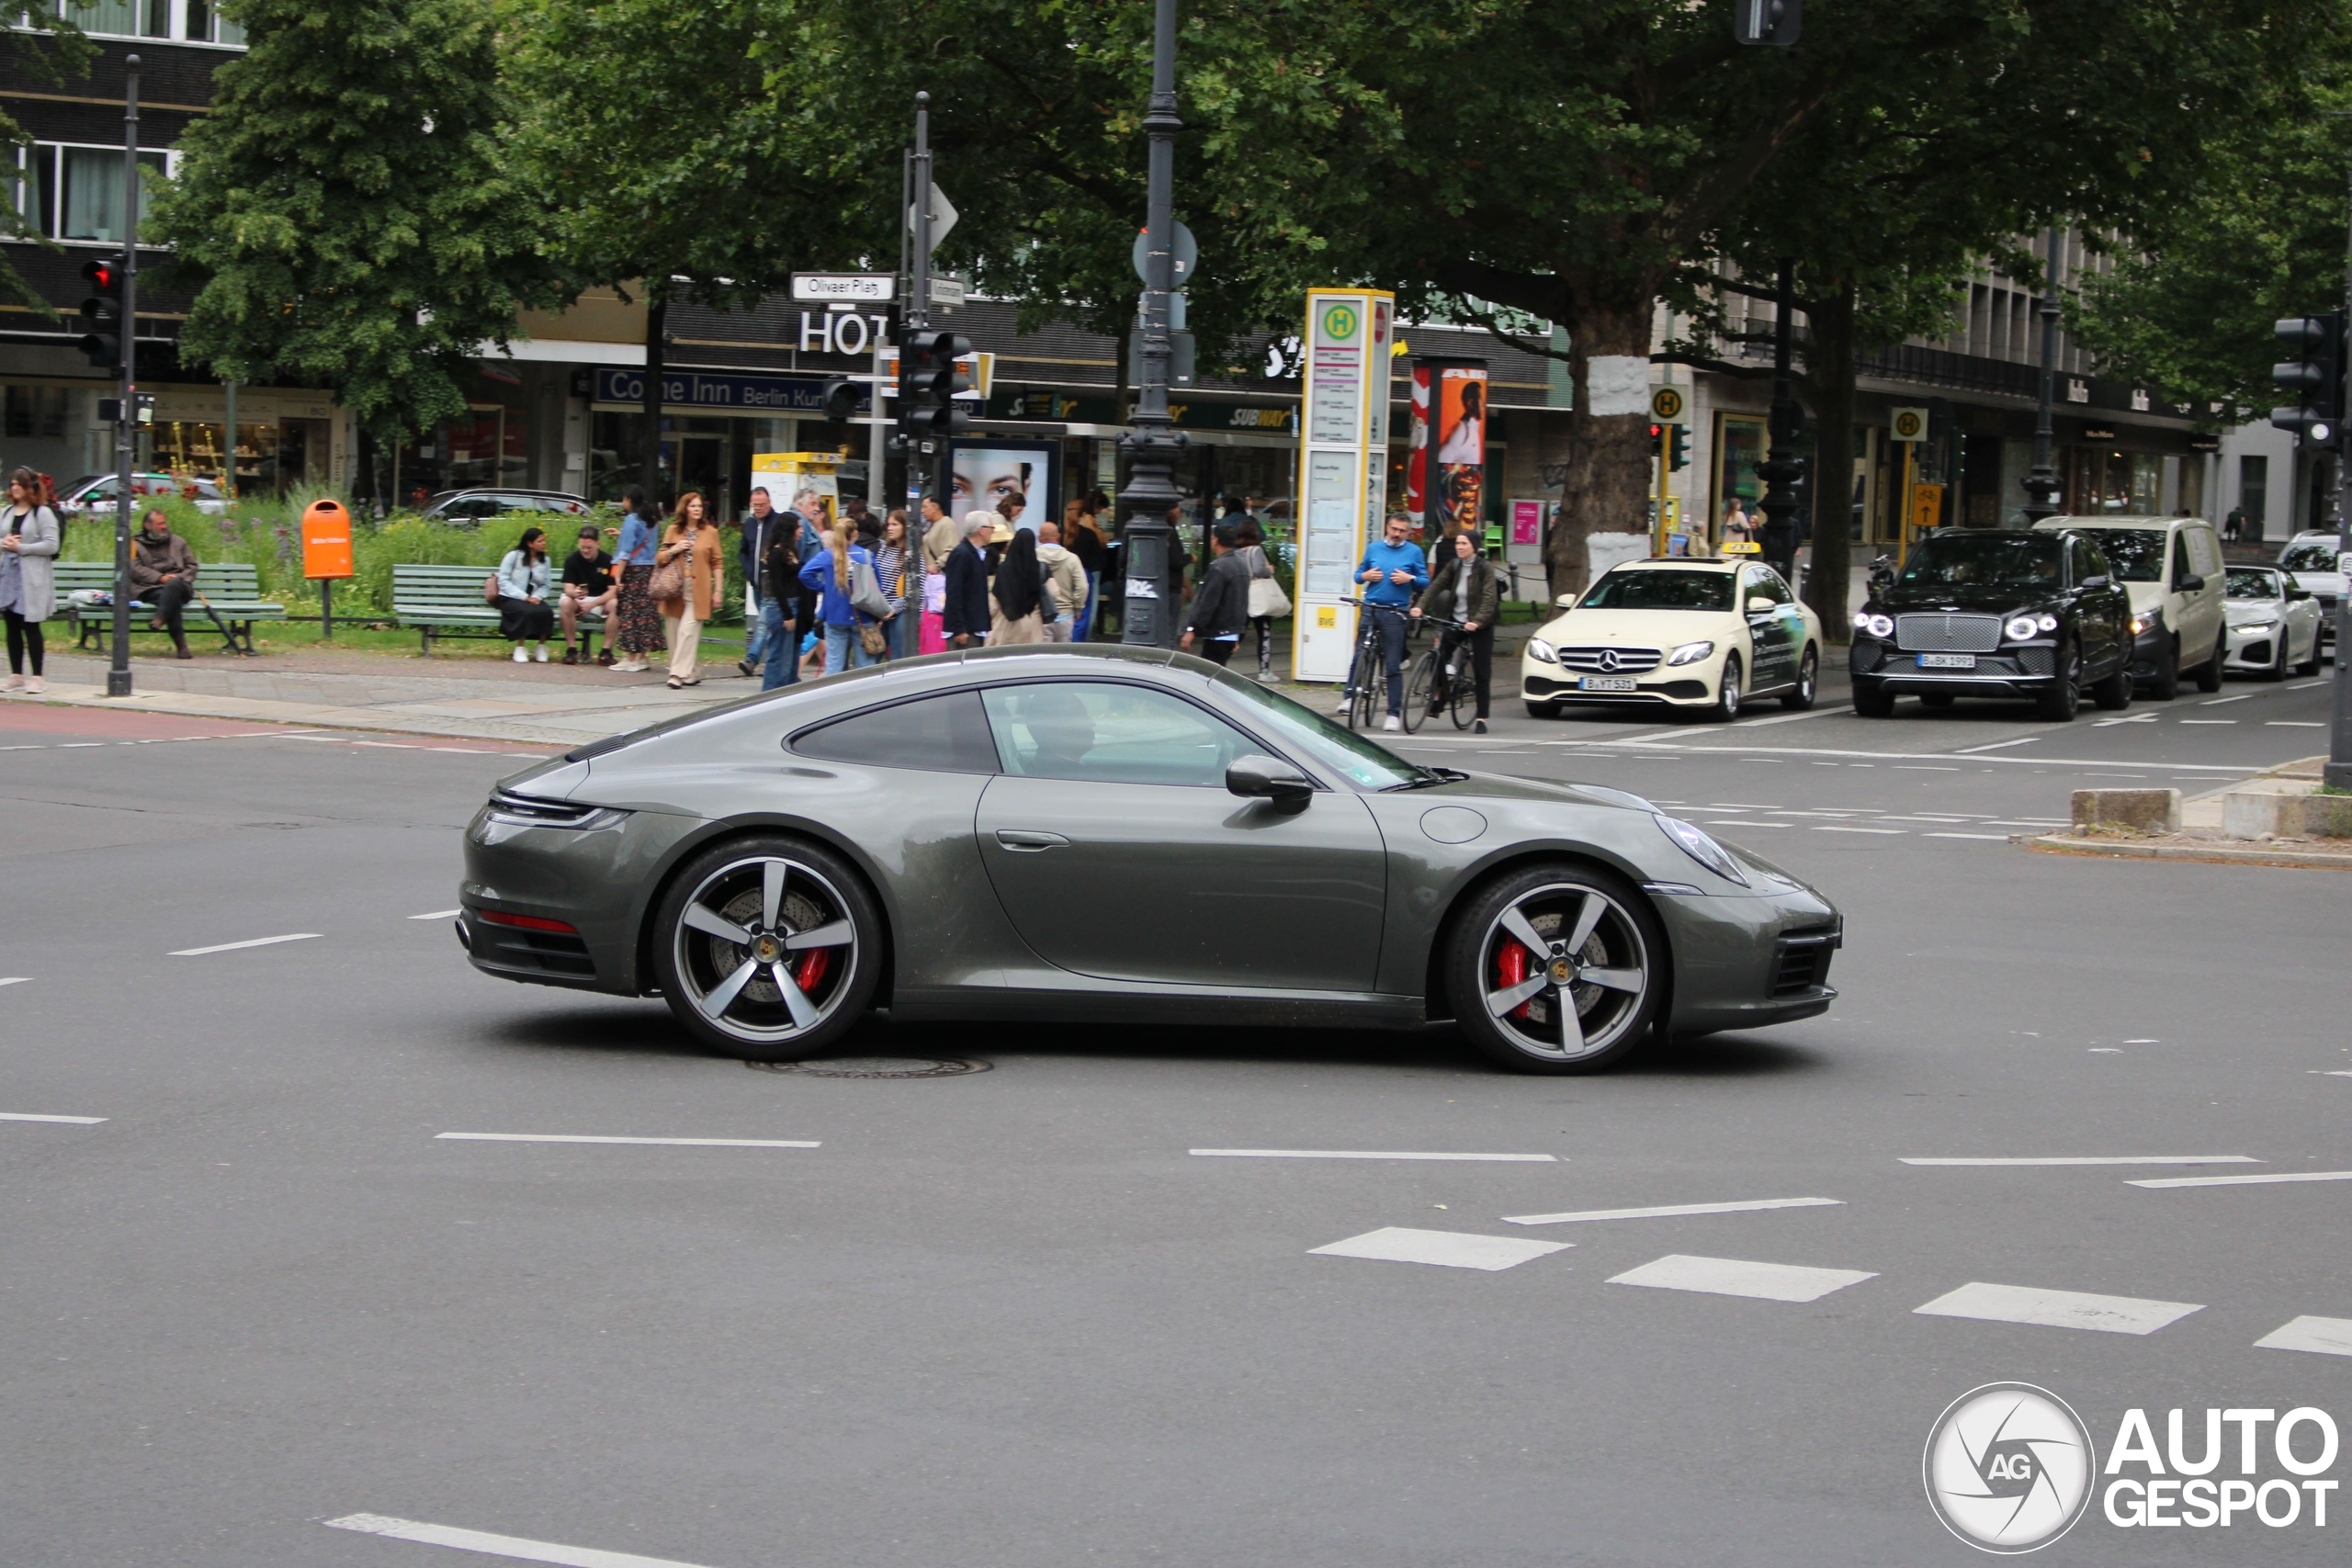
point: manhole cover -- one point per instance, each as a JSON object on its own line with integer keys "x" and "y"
{"x": 875, "y": 1067}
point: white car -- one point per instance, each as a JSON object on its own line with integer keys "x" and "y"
{"x": 1691, "y": 633}
{"x": 2172, "y": 567}
{"x": 97, "y": 493}
{"x": 2274, "y": 623}
{"x": 2315, "y": 563}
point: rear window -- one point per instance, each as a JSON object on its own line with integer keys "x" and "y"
{"x": 1660, "y": 589}
{"x": 2309, "y": 557}
{"x": 943, "y": 734}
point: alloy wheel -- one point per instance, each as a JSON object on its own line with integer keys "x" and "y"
{"x": 765, "y": 949}
{"x": 1564, "y": 970}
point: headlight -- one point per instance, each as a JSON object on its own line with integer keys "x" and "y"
{"x": 1538, "y": 648}
{"x": 2021, "y": 628}
{"x": 1881, "y": 627}
{"x": 2047, "y": 621}
{"x": 1690, "y": 653}
{"x": 2260, "y": 619}
{"x": 1703, "y": 849}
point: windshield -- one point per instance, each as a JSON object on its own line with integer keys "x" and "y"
{"x": 2309, "y": 557}
{"x": 2137, "y": 554}
{"x": 1988, "y": 559}
{"x": 1361, "y": 759}
{"x": 2247, "y": 584}
{"x": 1657, "y": 589}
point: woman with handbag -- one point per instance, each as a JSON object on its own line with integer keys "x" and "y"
{"x": 29, "y": 535}
{"x": 1017, "y": 598}
{"x": 1467, "y": 587}
{"x": 637, "y": 624}
{"x": 524, "y": 577}
{"x": 689, "y": 579}
{"x": 842, "y": 575}
{"x": 1267, "y": 600}
{"x": 890, "y": 563}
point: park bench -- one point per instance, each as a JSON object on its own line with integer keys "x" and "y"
{"x": 447, "y": 600}
{"x": 229, "y": 594}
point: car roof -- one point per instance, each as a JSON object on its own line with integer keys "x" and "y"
{"x": 1702, "y": 563}
{"x": 2134, "y": 522}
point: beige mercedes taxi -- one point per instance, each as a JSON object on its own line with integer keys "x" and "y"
{"x": 1691, "y": 632}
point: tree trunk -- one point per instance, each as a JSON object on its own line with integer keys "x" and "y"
{"x": 1609, "y": 444}
{"x": 1831, "y": 365}
{"x": 657, "y": 327}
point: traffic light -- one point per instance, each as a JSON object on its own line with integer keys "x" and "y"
{"x": 1679, "y": 448}
{"x": 2315, "y": 379}
{"x": 1774, "y": 22}
{"x": 840, "y": 398}
{"x": 102, "y": 323}
{"x": 928, "y": 382}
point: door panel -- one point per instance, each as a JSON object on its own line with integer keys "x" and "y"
{"x": 1772, "y": 635}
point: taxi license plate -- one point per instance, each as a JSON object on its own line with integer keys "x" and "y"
{"x": 1606, "y": 684}
{"x": 1947, "y": 661}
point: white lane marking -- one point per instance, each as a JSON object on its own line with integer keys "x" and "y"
{"x": 1831, "y": 828}
{"x": 2217, "y": 702}
{"x": 598, "y": 1138}
{"x": 1997, "y": 745}
{"x": 2101, "y": 1159}
{"x": 1735, "y": 1276}
{"x": 438, "y": 915}
{"x": 16, "y": 980}
{"x": 2331, "y": 1072}
{"x": 77, "y": 745}
{"x": 1447, "y": 1249}
{"x": 1996, "y": 838}
{"x": 1737, "y": 805}
{"x": 2144, "y": 1043}
{"x": 2057, "y": 1309}
{"x": 2293, "y": 723}
{"x": 2209, "y": 721}
{"x": 2135, "y": 718}
{"x": 1916, "y": 768}
{"x": 1729, "y": 822}
{"x": 71, "y": 1121}
{"x": 2327, "y": 1336}
{"x": 513, "y": 1546}
{"x": 2265, "y": 1180}
{"x": 1772, "y": 753}
{"x": 256, "y": 941}
{"x": 1357, "y": 1154}
{"x": 2107, "y": 1050}
{"x": 389, "y": 745}
{"x": 2305, "y": 685}
{"x": 1669, "y": 1211}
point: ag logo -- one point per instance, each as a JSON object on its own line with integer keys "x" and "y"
{"x": 1665, "y": 405}
{"x": 2009, "y": 1468}
{"x": 1340, "y": 322}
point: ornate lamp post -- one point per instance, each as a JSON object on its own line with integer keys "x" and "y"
{"x": 1784, "y": 468}
{"x": 2042, "y": 486}
{"x": 1154, "y": 585}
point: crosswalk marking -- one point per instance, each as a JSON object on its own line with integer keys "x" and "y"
{"x": 2266, "y": 1179}
{"x": 2326, "y": 1336}
{"x": 1668, "y": 1210}
{"x": 488, "y": 1545}
{"x": 1738, "y": 1277}
{"x": 1447, "y": 1249}
{"x": 2057, "y": 1309}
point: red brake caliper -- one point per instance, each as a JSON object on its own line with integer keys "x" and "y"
{"x": 811, "y": 967}
{"x": 1512, "y": 961}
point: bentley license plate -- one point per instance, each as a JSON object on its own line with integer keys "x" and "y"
{"x": 1947, "y": 661}
{"x": 1606, "y": 684}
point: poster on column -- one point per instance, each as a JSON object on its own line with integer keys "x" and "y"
{"x": 1460, "y": 447}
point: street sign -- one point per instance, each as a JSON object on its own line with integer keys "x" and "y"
{"x": 1667, "y": 405}
{"x": 1908, "y": 425}
{"x": 947, "y": 291}
{"x": 859, "y": 288}
{"x": 1187, "y": 257}
{"x": 1927, "y": 506}
{"x": 942, "y": 216}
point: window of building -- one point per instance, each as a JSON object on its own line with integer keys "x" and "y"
{"x": 88, "y": 204}
{"x": 195, "y": 20}
{"x": 33, "y": 412}
{"x": 2253, "y": 491}
{"x": 1739, "y": 446}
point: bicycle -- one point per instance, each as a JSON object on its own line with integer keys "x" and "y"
{"x": 1439, "y": 679}
{"x": 1365, "y": 700}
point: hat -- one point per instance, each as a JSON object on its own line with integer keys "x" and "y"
{"x": 1002, "y": 533}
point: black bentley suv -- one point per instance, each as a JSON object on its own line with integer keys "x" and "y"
{"x": 1996, "y": 612}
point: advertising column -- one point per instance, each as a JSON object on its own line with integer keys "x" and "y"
{"x": 1343, "y": 468}
{"x": 1449, "y": 441}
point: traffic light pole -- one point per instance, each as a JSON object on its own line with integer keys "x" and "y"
{"x": 1785, "y": 468}
{"x": 126, "y": 433}
{"x": 2042, "y": 486}
{"x": 2337, "y": 775}
{"x": 1154, "y": 585}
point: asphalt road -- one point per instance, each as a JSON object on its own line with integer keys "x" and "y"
{"x": 1006, "y": 1318}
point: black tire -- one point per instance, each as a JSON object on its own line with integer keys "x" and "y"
{"x": 2310, "y": 666}
{"x": 1726, "y": 707}
{"x": 1465, "y": 691}
{"x": 2113, "y": 690}
{"x": 1421, "y": 691}
{"x": 2164, "y": 685}
{"x": 1938, "y": 699}
{"x": 727, "y": 991}
{"x": 1369, "y": 690}
{"x": 2280, "y": 668}
{"x": 2060, "y": 701}
{"x": 1543, "y": 710}
{"x": 2208, "y": 674}
{"x": 1800, "y": 696}
{"x": 1549, "y": 902}
{"x": 1873, "y": 700}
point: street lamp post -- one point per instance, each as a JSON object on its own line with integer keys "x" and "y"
{"x": 1154, "y": 586}
{"x": 126, "y": 413}
{"x": 1782, "y": 471}
{"x": 2338, "y": 774}
{"x": 2042, "y": 486}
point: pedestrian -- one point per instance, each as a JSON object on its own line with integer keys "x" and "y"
{"x": 162, "y": 572}
{"x": 1737, "y": 529}
{"x": 692, "y": 545}
{"x": 635, "y": 629}
{"x": 1267, "y": 599}
{"x": 1082, "y": 538}
{"x": 779, "y": 607}
{"x": 759, "y": 523}
{"x": 588, "y": 589}
{"x": 1393, "y": 571}
{"x": 2234, "y": 525}
{"x": 832, "y": 577}
{"x": 1467, "y": 588}
{"x": 524, "y": 613}
{"x": 812, "y": 523}
{"x": 1009, "y": 507}
{"x": 28, "y": 541}
{"x": 1221, "y": 609}
{"x": 964, "y": 614}
{"x": 1065, "y": 582}
{"x": 1018, "y": 595}
{"x": 890, "y": 562}
{"x": 941, "y": 535}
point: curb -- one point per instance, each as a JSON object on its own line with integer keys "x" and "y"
{"x": 2216, "y": 854}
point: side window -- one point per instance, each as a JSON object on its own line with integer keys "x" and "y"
{"x": 1770, "y": 584}
{"x": 1110, "y": 734}
{"x": 2205, "y": 550}
{"x": 2180, "y": 566}
{"x": 2082, "y": 560}
{"x": 944, "y": 734}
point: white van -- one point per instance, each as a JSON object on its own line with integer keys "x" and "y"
{"x": 2172, "y": 567}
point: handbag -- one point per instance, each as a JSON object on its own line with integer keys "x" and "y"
{"x": 865, "y": 595}
{"x": 669, "y": 579}
{"x": 490, "y": 589}
{"x": 871, "y": 639}
{"x": 1267, "y": 598}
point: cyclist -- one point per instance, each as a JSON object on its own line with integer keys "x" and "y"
{"x": 1392, "y": 571}
{"x": 1467, "y": 587}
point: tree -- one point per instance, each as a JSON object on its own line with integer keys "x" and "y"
{"x": 347, "y": 215}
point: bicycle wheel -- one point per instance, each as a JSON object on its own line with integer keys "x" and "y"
{"x": 1363, "y": 687}
{"x": 1424, "y": 690}
{"x": 1465, "y": 692}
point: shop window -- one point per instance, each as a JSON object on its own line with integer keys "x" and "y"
{"x": 1739, "y": 446}
{"x": 2147, "y": 483}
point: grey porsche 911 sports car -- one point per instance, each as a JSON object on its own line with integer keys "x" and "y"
{"x": 1109, "y": 835}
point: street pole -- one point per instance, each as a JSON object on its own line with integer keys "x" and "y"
{"x": 1154, "y": 592}
{"x": 1784, "y": 468}
{"x": 2337, "y": 775}
{"x": 2042, "y": 486}
{"x": 922, "y": 474}
{"x": 126, "y": 430}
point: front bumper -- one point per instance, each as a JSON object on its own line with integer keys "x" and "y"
{"x": 1687, "y": 686}
{"x": 2014, "y": 670}
{"x": 1745, "y": 962}
{"x": 2254, "y": 646}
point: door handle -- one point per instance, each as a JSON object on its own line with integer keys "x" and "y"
{"x": 1028, "y": 840}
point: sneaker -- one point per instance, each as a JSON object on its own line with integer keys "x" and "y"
{"x": 605, "y": 659}
{"x": 747, "y": 667}
{"x": 521, "y": 655}
{"x": 1393, "y": 722}
{"x": 13, "y": 683}
{"x": 34, "y": 685}
{"x": 1477, "y": 727}
{"x": 571, "y": 655}
{"x": 543, "y": 653}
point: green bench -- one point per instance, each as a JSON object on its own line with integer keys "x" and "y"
{"x": 229, "y": 593}
{"x": 446, "y": 602}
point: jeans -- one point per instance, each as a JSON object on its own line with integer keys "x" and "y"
{"x": 1392, "y": 627}
{"x": 755, "y": 626}
{"x": 901, "y": 630}
{"x": 783, "y": 665}
{"x": 844, "y": 649}
{"x": 1085, "y": 619}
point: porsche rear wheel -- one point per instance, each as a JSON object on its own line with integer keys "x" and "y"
{"x": 1556, "y": 968}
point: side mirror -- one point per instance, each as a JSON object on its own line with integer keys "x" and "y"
{"x": 1760, "y": 604}
{"x": 2299, "y": 592}
{"x": 2188, "y": 584}
{"x": 1565, "y": 601}
{"x": 2097, "y": 580}
{"x": 1269, "y": 778}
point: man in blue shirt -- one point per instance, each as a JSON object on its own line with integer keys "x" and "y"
{"x": 1393, "y": 571}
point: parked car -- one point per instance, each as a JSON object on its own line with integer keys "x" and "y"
{"x": 2319, "y": 567}
{"x": 2274, "y": 623}
{"x": 96, "y": 492}
{"x": 472, "y": 508}
{"x": 1996, "y": 612}
{"x": 1691, "y": 633}
{"x": 2172, "y": 567}
{"x": 1115, "y": 836}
